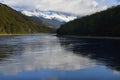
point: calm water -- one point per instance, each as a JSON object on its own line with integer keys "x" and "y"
{"x": 47, "y": 57}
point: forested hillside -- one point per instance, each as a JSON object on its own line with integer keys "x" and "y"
{"x": 13, "y": 22}
{"x": 104, "y": 23}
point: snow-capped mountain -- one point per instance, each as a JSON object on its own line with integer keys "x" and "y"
{"x": 54, "y": 18}
{"x": 63, "y": 17}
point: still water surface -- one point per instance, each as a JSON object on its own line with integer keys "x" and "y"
{"x": 47, "y": 57}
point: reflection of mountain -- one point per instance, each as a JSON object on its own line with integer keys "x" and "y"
{"x": 9, "y": 46}
{"x": 38, "y": 52}
{"x": 5, "y": 51}
{"x": 106, "y": 51}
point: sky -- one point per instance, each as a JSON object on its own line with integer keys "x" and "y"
{"x": 81, "y": 7}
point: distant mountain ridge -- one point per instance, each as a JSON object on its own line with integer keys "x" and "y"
{"x": 53, "y": 18}
{"x": 104, "y": 23}
{"x": 13, "y": 22}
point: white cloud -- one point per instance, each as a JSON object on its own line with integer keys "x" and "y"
{"x": 72, "y": 6}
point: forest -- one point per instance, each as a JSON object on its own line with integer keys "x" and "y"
{"x": 104, "y": 23}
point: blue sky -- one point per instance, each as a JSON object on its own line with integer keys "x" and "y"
{"x": 81, "y": 7}
{"x": 111, "y": 2}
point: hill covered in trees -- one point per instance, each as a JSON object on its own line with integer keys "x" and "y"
{"x": 104, "y": 23}
{"x": 13, "y": 22}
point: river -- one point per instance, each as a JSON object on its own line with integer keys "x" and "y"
{"x": 48, "y": 57}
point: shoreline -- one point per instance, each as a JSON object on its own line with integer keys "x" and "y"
{"x": 21, "y": 34}
{"x": 90, "y": 37}
{"x": 12, "y": 34}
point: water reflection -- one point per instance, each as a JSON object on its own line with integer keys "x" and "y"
{"x": 47, "y": 57}
{"x": 105, "y": 51}
{"x": 39, "y": 52}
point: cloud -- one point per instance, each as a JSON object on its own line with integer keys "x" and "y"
{"x": 81, "y": 7}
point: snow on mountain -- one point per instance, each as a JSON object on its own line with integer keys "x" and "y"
{"x": 60, "y": 16}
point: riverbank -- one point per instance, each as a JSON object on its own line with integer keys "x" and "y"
{"x": 23, "y": 34}
{"x": 12, "y": 34}
{"x": 92, "y": 37}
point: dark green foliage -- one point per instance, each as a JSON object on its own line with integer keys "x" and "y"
{"x": 104, "y": 23}
{"x": 13, "y": 22}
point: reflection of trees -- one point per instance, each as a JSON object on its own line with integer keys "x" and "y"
{"x": 5, "y": 51}
{"x": 106, "y": 51}
{"x": 8, "y": 48}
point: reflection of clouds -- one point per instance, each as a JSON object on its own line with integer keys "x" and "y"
{"x": 116, "y": 72}
{"x": 44, "y": 53}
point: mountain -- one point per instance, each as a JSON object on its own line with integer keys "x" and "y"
{"x": 54, "y": 18}
{"x": 13, "y": 22}
{"x": 104, "y": 23}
